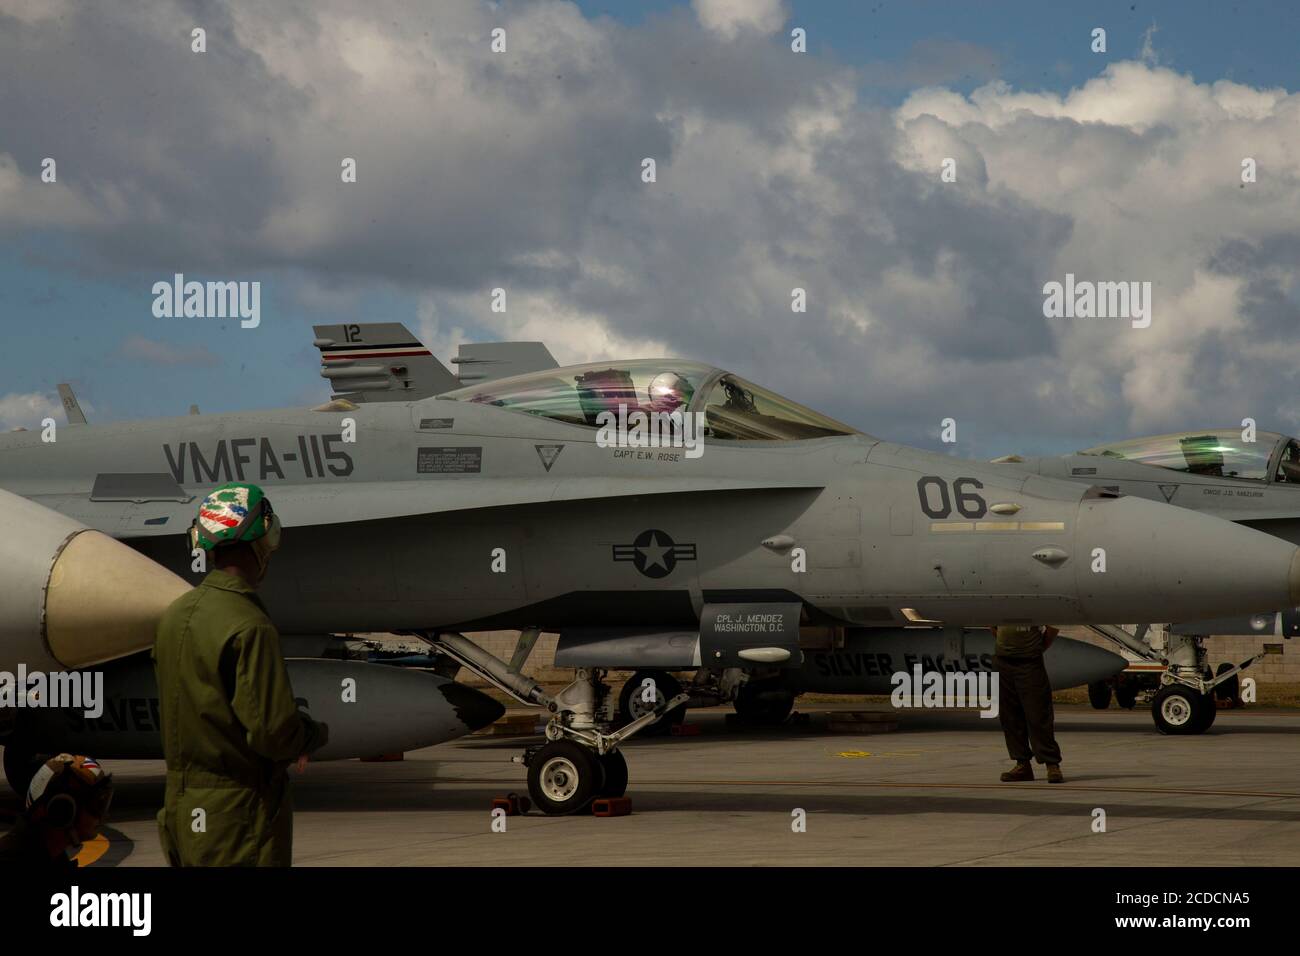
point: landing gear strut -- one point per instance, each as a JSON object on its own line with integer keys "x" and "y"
{"x": 1185, "y": 702}
{"x": 581, "y": 760}
{"x": 633, "y": 702}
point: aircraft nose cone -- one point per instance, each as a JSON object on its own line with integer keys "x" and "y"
{"x": 1169, "y": 564}
{"x": 473, "y": 708}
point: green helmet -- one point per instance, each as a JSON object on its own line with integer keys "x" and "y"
{"x": 235, "y": 513}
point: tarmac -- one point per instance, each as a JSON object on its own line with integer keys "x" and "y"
{"x": 925, "y": 795}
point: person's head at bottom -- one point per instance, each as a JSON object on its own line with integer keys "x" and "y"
{"x": 239, "y": 531}
{"x": 67, "y": 802}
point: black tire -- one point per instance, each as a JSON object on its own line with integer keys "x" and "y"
{"x": 764, "y": 703}
{"x": 666, "y": 688}
{"x": 1126, "y": 695}
{"x": 20, "y": 766}
{"x": 1099, "y": 694}
{"x": 1179, "y": 710}
{"x": 1211, "y": 711}
{"x": 564, "y": 777}
{"x": 614, "y": 765}
{"x": 1230, "y": 689}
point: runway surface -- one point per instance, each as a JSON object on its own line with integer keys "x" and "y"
{"x": 925, "y": 795}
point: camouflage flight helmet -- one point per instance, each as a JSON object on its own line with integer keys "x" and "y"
{"x": 236, "y": 513}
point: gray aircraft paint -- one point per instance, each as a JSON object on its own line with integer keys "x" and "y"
{"x": 1269, "y": 506}
{"x": 372, "y": 543}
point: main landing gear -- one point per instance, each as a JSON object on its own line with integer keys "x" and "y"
{"x": 580, "y": 760}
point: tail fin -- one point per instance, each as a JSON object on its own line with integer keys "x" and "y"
{"x": 488, "y": 361}
{"x": 379, "y": 362}
{"x": 70, "y": 405}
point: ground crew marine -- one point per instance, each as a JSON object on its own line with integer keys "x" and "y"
{"x": 1025, "y": 701}
{"x": 230, "y": 725}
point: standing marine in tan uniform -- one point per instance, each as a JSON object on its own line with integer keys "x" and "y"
{"x": 1025, "y": 701}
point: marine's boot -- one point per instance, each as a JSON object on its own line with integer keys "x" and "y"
{"x": 1054, "y": 774}
{"x": 1021, "y": 771}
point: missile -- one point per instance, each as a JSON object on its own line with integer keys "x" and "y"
{"x": 870, "y": 657}
{"x": 73, "y": 597}
{"x": 371, "y": 709}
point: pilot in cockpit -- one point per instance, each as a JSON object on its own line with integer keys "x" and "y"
{"x": 669, "y": 392}
{"x": 1288, "y": 469}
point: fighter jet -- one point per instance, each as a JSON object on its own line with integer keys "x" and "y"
{"x": 660, "y": 495}
{"x": 76, "y": 601}
{"x": 1242, "y": 475}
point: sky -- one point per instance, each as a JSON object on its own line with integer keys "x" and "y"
{"x": 775, "y": 170}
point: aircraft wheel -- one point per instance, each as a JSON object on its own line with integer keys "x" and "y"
{"x": 765, "y": 703}
{"x": 20, "y": 766}
{"x": 564, "y": 777}
{"x": 1180, "y": 710}
{"x": 1211, "y": 711}
{"x": 1126, "y": 696}
{"x": 1099, "y": 694}
{"x": 614, "y": 766}
{"x": 631, "y": 706}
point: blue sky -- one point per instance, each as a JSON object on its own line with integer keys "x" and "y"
{"x": 1044, "y": 45}
{"x": 67, "y": 311}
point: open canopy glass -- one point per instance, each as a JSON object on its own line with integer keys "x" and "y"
{"x": 734, "y": 409}
{"x": 1223, "y": 454}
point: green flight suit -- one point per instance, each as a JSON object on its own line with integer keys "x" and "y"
{"x": 230, "y": 729}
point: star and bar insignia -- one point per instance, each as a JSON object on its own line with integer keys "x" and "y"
{"x": 654, "y": 553}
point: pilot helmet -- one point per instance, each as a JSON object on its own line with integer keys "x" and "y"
{"x": 71, "y": 793}
{"x": 236, "y": 513}
{"x": 669, "y": 392}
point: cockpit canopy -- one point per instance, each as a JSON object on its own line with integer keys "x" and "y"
{"x": 733, "y": 408}
{"x": 1216, "y": 454}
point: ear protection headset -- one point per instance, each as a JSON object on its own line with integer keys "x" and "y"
{"x": 63, "y": 787}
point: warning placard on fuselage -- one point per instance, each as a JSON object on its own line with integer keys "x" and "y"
{"x": 455, "y": 460}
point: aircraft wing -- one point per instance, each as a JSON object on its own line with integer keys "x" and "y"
{"x": 306, "y": 505}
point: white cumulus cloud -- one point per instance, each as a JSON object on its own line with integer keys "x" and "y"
{"x": 28, "y": 410}
{"x": 728, "y": 18}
